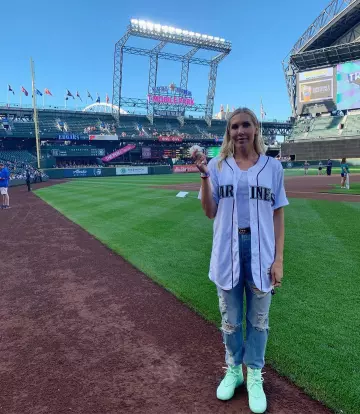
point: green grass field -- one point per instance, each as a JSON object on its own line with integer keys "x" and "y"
{"x": 354, "y": 189}
{"x": 315, "y": 317}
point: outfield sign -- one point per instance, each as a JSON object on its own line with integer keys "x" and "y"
{"x": 132, "y": 170}
{"x": 82, "y": 172}
{"x": 118, "y": 152}
{"x": 185, "y": 168}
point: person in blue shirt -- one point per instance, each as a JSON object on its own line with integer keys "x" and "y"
{"x": 344, "y": 172}
{"x": 4, "y": 185}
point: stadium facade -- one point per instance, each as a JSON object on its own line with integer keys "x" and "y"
{"x": 322, "y": 73}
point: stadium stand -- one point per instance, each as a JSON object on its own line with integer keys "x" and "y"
{"x": 351, "y": 126}
{"x": 325, "y": 126}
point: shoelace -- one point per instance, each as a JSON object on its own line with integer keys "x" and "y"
{"x": 255, "y": 382}
{"x": 230, "y": 375}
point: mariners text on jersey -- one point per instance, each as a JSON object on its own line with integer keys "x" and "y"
{"x": 266, "y": 194}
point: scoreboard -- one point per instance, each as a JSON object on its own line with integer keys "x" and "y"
{"x": 213, "y": 152}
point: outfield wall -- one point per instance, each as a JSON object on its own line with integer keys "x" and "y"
{"x": 61, "y": 173}
{"x": 322, "y": 149}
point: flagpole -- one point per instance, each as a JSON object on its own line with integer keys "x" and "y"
{"x": 65, "y": 98}
{"x": 43, "y": 100}
{"x": 35, "y": 113}
{"x": 20, "y": 98}
{"x": 8, "y": 95}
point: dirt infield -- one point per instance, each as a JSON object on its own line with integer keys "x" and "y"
{"x": 312, "y": 187}
{"x": 83, "y": 331}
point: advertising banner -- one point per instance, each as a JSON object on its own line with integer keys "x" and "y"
{"x": 82, "y": 172}
{"x": 118, "y": 152}
{"x": 170, "y": 139}
{"x": 348, "y": 85}
{"x": 132, "y": 171}
{"x": 316, "y": 85}
{"x": 185, "y": 168}
{"x": 103, "y": 137}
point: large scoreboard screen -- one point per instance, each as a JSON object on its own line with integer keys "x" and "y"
{"x": 213, "y": 152}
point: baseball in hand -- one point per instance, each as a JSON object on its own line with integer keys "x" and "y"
{"x": 196, "y": 152}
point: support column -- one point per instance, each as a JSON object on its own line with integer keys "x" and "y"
{"x": 154, "y": 61}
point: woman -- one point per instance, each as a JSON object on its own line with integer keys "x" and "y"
{"x": 344, "y": 172}
{"x": 243, "y": 190}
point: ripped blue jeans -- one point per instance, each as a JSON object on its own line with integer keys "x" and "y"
{"x": 252, "y": 351}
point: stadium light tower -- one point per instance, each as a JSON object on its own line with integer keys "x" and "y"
{"x": 168, "y": 34}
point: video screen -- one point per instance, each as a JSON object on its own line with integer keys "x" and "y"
{"x": 348, "y": 85}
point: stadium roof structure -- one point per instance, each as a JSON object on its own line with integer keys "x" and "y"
{"x": 331, "y": 39}
{"x": 168, "y": 34}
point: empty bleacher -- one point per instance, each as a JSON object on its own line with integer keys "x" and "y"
{"x": 352, "y": 126}
{"x": 325, "y": 127}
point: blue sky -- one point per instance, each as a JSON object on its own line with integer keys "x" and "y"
{"x": 72, "y": 45}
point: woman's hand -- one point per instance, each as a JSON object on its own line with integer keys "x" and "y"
{"x": 200, "y": 161}
{"x": 276, "y": 273}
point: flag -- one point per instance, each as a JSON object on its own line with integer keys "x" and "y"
{"x": 38, "y": 92}
{"x": 11, "y": 89}
{"x": 68, "y": 93}
{"x": 98, "y": 98}
{"x": 78, "y": 95}
{"x": 262, "y": 112}
{"x": 89, "y": 95}
{"x": 25, "y": 91}
{"x": 107, "y": 98}
{"x": 47, "y": 92}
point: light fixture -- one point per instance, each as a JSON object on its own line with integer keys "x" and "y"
{"x": 150, "y": 26}
{"x": 185, "y": 32}
{"x": 211, "y": 37}
{"x": 171, "y": 29}
{"x": 178, "y": 31}
{"x": 157, "y": 27}
{"x": 204, "y": 36}
{"x": 222, "y": 40}
{"x": 197, "y": 34}
{"x": 191, "y": 34}
{"x": 134, "y": 21}
{"x": 216, "y": 39}
{"x": 165, "y": 29}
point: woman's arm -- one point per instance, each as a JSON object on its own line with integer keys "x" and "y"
{"x": 207, "y": 201}
{"x": 279, "y": 229}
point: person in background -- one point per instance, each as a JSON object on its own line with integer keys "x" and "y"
{"x": 344, "y": 172}
{"x": 320, "y": 168}
{"x": 328, "y": 167}
{"x": 4, "y": 186}
{"x": 306, "y": 167}
{"x": 28, "y": 180}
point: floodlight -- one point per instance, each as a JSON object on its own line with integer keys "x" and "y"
{"x": 165, "y": 29}
{"x": 150, "y": 26}
{"x": 171, "y": 29}
{"x": 197, "y": 34}
{"x": 178, "y": 31}
{"x": 216, "y": 39}
{"x": 211, "y": 37}
{"x": 157, "y": 27}
{"x": 134, "y": 21}
{"x": 185, "y": 32}
{"x": 191, "y": 34}
{"x": 142, "y": 24}
{"x": 204, "y": 36}
{"x": 222, "y": 40}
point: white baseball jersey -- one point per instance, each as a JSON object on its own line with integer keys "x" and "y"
{"x": 266, "y": 194}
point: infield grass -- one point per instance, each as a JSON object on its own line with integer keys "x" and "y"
{"x": 315, "y": 317}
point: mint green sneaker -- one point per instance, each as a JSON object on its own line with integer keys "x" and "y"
{"x": 257, "y": 397}
{"x": 233, "y": 378}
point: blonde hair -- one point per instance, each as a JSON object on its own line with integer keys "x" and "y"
{"x": 227, "y": 147}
